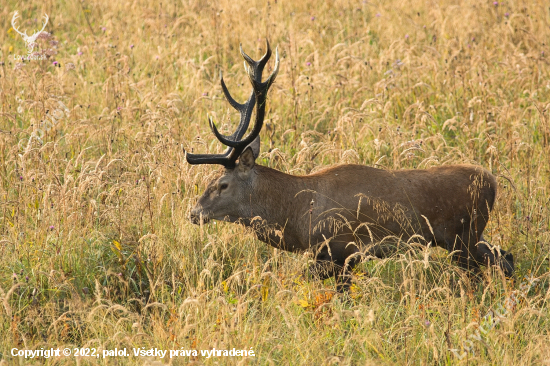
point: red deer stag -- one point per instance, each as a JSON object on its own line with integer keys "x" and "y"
{"x": 344, "y": 211}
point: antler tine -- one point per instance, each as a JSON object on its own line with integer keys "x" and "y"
{"x": 218, "y": 135}
{"x": 222, "y": 159}
{"x": 244, "y": 109}
{"x": 227, "y": 159}
{"x": 260, "y": 87}
{"x": 247, "y": 58}
{"x": 233, "y": 102}
{"x": 46, "y": 22}
{"x": 256, "y": 66}
{"x": 233, "y": 140}
{"x": 13, "y": 19}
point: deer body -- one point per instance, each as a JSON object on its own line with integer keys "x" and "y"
{"x": 390, "y": 202}
{"x": 350, "y": 208}
{"x": 345, "y": 211}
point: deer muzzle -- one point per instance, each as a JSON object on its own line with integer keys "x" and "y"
{"x": 197, "y": 215}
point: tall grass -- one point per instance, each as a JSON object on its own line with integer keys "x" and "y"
{"x": 95, "y": 246}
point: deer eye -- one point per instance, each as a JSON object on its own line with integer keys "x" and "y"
{"x": 223, "y": 186}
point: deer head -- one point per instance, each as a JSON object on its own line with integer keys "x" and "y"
{"x": 29, "y": 40}
{"x": 233, "y": 183}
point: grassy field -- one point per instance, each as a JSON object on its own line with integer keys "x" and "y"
{"x": 96, "y": 250}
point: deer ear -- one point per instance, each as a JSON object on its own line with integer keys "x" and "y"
{"x": 255, "y": 146}
{"x": 246, "y": 160}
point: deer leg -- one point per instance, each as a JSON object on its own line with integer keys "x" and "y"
{"x": 322, "y": 270}
{"x": 343, "y": 278}
{"x": 324, "y": 266}
{"x": 343, "y": 283}
{"x": 492, "y": 256}
{"x": 465, "y": 258}
{"x": 382, "y": 250}
{"x": 347, "y": 257}
{"x": 336, "y": 260}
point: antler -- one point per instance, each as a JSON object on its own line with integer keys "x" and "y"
{"x": 259, "y": 94}
{"x": 25, "y": 36}
{"x": 45, "y": 23}
{"x": 34, "y": 37}
{"x": 13, "y": 19}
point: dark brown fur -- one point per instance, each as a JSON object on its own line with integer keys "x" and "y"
{"x": 353, "y": 207}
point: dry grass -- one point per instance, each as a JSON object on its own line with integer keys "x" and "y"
{"x": 95, "y": 247}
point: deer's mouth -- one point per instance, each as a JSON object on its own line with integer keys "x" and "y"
{"x": 197, "y": 217}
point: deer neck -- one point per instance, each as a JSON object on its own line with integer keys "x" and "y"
{"x": 280, "y": 201}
